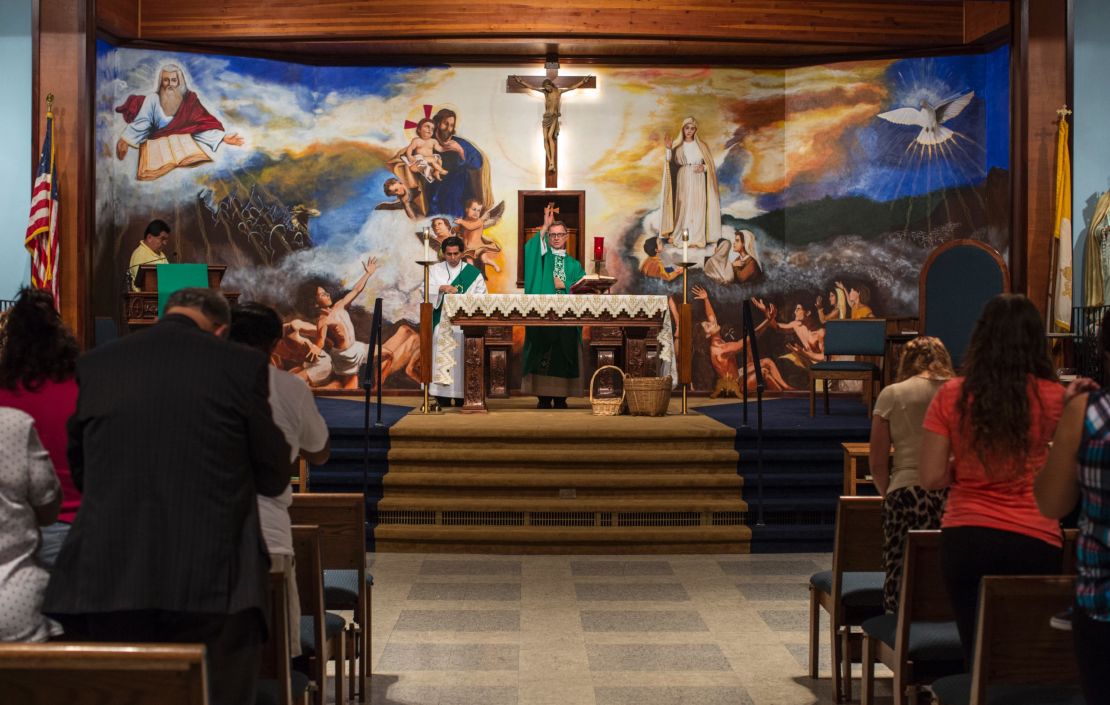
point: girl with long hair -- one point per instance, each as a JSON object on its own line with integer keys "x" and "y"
{"x": 899, "y": 412}
{"x": 995, "y": 423}
{"x": 38, "y": 360}
{"x": 1078, "y": 471}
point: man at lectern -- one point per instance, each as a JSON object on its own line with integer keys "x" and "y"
{"x": 150, "y": 251}
{"x": 551, "y": 354}
{"x": 451, "y": 276}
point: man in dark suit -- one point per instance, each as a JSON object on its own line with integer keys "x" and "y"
{"x": 171, "y": 443}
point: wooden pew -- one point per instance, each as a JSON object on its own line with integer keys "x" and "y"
{"x": 347, "y": 585}
{"x": 920, "y": 643}
{"x": 327, "y": 640}
{"x": 852, "y": 591}
{"x": 92, "y": 674}
{"x": 1017, "y": 654}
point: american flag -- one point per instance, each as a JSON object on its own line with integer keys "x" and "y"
{"x": 42, "y": 226}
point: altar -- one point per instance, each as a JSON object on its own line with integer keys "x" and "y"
{"x": 475, "y": 313}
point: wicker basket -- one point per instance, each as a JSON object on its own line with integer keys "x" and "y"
{"x": 606, "y": 407}
{"x": 648, "y": 396}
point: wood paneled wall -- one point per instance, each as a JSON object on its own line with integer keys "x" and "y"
{"x": 119, "y": 18}
{"x": 64, "y": 64}
{"x": 925, "y": 23}
{"x": 1039, "y": 85}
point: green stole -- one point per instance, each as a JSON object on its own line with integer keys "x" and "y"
{"x": 462, "y": 281}
{"x": 550, "y": 351}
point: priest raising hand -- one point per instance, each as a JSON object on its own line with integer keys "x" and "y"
{"x": 551, "y": 354}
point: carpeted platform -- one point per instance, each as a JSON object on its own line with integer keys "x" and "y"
{"x": 348, "y": 414}
{"x": 802, "y": 467}
{"x": 520, "y": 480}
{"x": 344, "y": 470}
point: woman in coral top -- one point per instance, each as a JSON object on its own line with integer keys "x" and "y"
{"x": 995, "y": 423}
{"x": 38, "y": 360}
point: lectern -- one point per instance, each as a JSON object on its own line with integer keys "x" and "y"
{"x": 141, "y": 307}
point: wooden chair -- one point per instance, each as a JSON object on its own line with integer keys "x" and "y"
{"x": 322, "y": 633}
{"x": 863, "y": 338}
{"x": 347, "y": 584}
{"x": 920, "y": 643}
{"x": 852, "y": 591}
{"x": 300, "y": 480}
{"x": 279, "y": 683}
{"x": 90, "y": 674}
{"x": 956, "y": 281}
{"x": 1018, "y": 656}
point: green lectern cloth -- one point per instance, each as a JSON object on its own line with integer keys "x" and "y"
{"x": 172, "y": 277}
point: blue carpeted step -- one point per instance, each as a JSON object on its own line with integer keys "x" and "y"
{"x": 787, "y": 484}
{"x": 798, "y": 538}
{"x": 344, "y": 470}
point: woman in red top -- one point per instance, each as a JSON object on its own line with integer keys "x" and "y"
{"x": 38, "y": 360}
{"x": 994, "y": 423}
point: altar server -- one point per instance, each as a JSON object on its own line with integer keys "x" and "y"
{"x": 451, "y": 276}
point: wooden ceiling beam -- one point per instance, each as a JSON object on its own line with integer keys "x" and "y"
{"x": 832, "y": 22}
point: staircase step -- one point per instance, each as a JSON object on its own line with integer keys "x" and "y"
{"x": 601, "y": 457}
{"x": 541, "y": 504}
{"x": 544, "y": 484}
{"x": 563, "y": 539}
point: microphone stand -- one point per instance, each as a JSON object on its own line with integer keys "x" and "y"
{"x": 367, "y": 374}
{"x": 751, "y": 349}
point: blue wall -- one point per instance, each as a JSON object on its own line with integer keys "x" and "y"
{"x": 15, "y": 125}
{"x": 1091, "y": 122}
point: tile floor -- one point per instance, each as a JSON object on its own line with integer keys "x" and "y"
{"x": 575, "y": 630}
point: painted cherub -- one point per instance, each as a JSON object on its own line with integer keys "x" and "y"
{"x": 478, "y": 249}
{"x": 422, "y": 154}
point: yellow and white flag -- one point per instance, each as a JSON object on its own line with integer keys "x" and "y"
{"x": 1061, "y": 304}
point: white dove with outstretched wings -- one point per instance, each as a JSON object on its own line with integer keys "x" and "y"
{"x": 930, "y": 118}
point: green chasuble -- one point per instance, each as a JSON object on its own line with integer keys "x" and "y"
{"x": 462, "y": 281}
{"x": 548, "y": 350}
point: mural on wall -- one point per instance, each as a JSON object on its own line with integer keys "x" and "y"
{"x": 815, "y": 192}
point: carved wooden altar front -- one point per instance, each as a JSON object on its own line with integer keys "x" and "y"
{"x": 623, "y": 329}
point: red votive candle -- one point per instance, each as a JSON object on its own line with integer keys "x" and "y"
{"x": 599, "y": 248}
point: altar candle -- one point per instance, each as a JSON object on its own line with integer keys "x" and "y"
{"x": 685, "y": 245}
{"x": 599, "y": 248}
{"x": 427, "y": 245}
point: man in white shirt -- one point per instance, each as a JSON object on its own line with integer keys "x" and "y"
{"x": 295, "y": 413}
{"x": 451, "y": 276}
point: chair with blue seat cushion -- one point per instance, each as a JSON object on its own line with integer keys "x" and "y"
{"x": 865, "y": 338}
{"x": 956, "y": 281}
{"x": 1020, "y": 659}
{"x": 920, "y": 644}
{"x": 956, "y": 690}
{"x": 347, "y": 584}
{"x": 322, "y": 633}
{"x": 852, "y": 591}
{"x": 278, "y": 684}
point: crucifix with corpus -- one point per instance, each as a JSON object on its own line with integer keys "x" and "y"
{"x": 553, "y": 86}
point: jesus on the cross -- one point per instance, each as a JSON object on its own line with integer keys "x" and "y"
{"x": 552, "y": 100}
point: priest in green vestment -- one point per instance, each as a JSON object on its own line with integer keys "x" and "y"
{"x": 551, "y": 354}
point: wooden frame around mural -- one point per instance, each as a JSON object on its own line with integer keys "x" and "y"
{"x": 571, "y": 207}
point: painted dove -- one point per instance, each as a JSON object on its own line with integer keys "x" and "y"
{"x": 930, "y": 118}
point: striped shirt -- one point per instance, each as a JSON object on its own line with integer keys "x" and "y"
{"x": 1093, "y": 583}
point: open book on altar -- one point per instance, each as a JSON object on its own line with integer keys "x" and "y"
{"x": 162, "y": 155}
{"x": 593, "y": 284}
